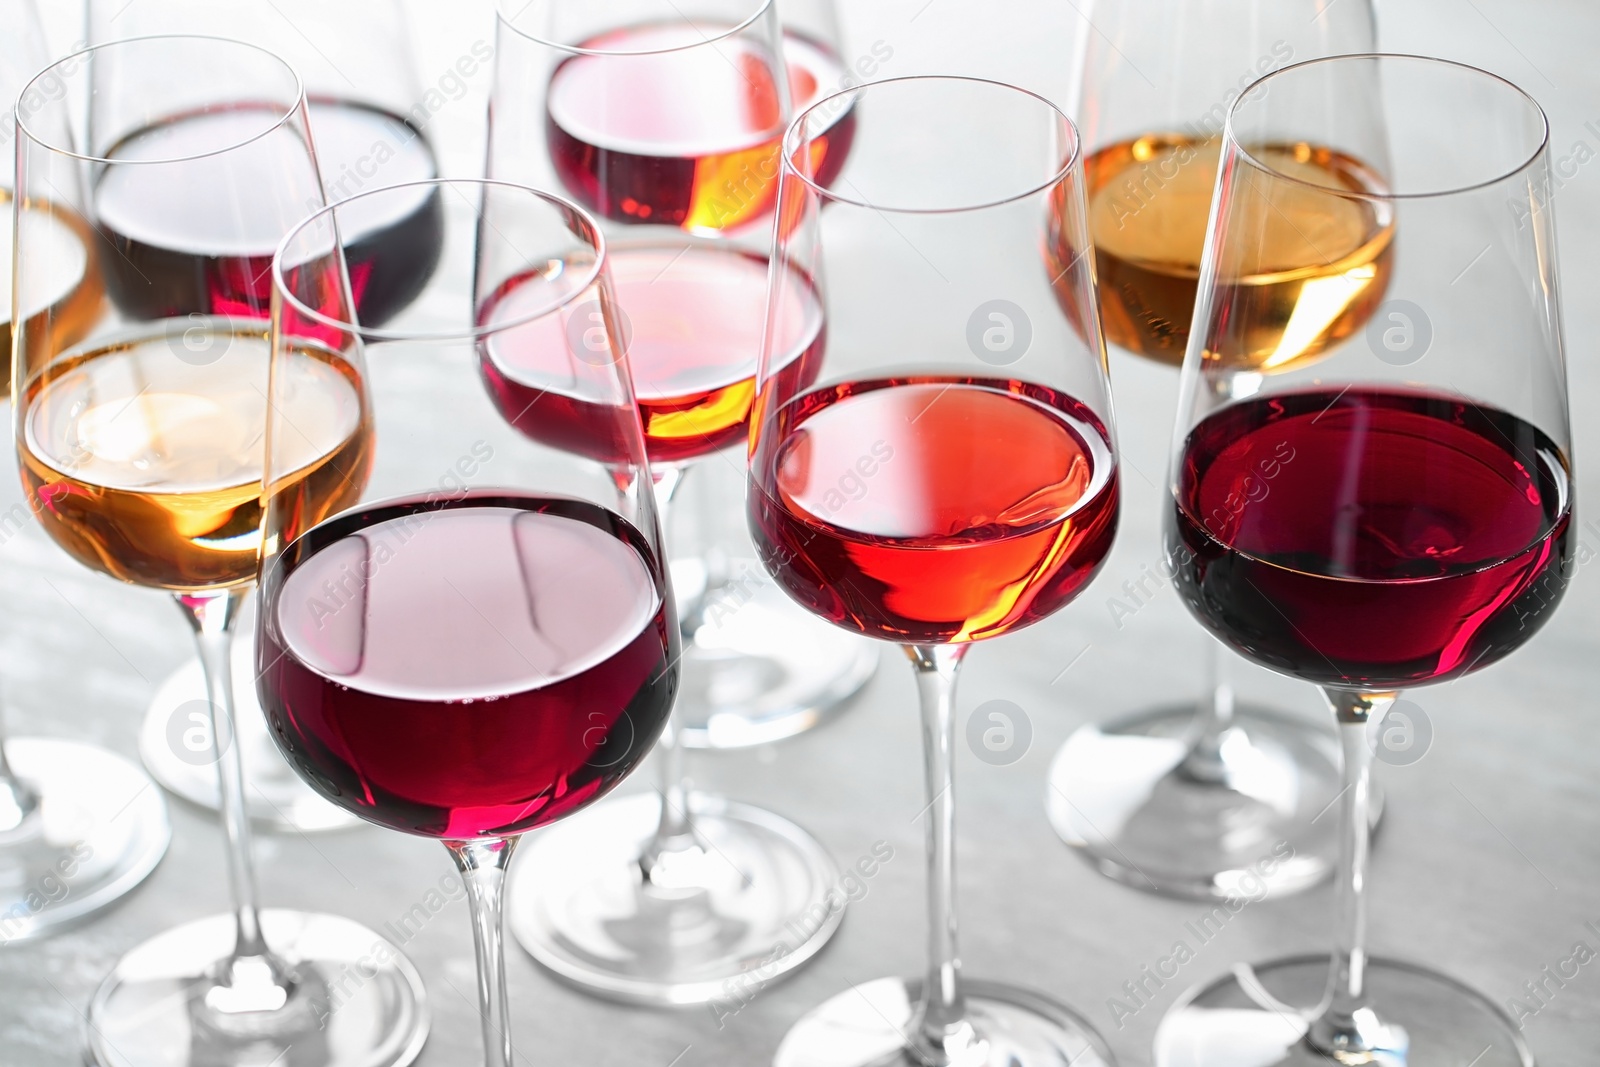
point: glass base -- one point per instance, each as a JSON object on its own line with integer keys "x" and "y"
{"x": 866, "y": 1026}
{"x": 175, "y": 747}
{"x": 100, "y": 829}
{"x": 1258, "y": 1016}
{"x": 757, "y": 899}
{"x": 760, "y": 668}
{"x": 357, "y": 1000}
{"x": 1126, "y": 798}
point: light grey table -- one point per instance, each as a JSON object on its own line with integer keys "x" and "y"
{"x": 1487, "y": 867}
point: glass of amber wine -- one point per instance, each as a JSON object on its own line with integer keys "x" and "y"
{"x": 369, "y": 118}
{"x": 79, "y": 826}
{"x": 142, "y": 451}
{"x": 1191, "y": 799}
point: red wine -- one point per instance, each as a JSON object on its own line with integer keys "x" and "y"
{"x": 695, "y": 320}
{"x": 686, "y": 138}
{"x": 931, "y": 509}
{"x": 477, "y": 665}
{"x": 1373, "y": 539}
{"x": 204, "y": 245}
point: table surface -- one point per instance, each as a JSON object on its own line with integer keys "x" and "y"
{"x": 1486, "y": 868}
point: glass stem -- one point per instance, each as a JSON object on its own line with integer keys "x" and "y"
{"x": 1348, "y": 1025}
{"x": 483, "y": 870}
{"x": 251, "y": 980}
{"x": 18, "y": 801}
{"x": 674, "y": 832}
{"x": 941, "y": 1028}
{"x": 1213, "y": 719}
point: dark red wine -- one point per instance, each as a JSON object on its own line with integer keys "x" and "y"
{"x": 469, "y": 666}
{"x": 1372, "y": 539}
{"x": 695, "y": 319}
{"x": 204, "y": 245}
{"x": 685, "y": 138}
{"x": 933, "y": 509}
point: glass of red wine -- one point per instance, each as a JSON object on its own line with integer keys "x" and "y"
{"x": 370, "y": 118}
{"x": 485, "y": 643}
{"x": 947, "y": 475}
{"x": 1397, "y": 514}
{"x": 663, "y": 118}
{"x": 140, "y": 446}
{"x": 1196, "y": 797}
{"x": 72, "y": 815}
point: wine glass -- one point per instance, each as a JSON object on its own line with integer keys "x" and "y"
{"x": 488, "y": 646}
{"x": 948, "y": 473}
{"x": 62, "y": 817}
{"x": 663, "y": 119}
{"x": 1397, "y": 514}
{"x": 370, "y": 118}
{"x": 1191, "y": 799}
{"x": 141, "y": 454}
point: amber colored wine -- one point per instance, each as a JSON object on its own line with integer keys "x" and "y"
{"x": 933, "y": 509}
{"x": 1316, "y": 267}
{"x": 148, "y": 466}
{"x": 63, "y": 286}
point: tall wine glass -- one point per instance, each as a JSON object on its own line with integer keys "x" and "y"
{"x": 663, "y": 118}
{"x": 71, "y": 815}
{"x": 370, "y": 118}
{"x": 1394, "y": 515}
{"x": 947, "y": 475}
{"x": 141, "y": 453}
{"x": 1190, "y": 799}
{"x": 490, "y": 645}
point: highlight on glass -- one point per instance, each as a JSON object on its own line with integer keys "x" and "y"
{"x": 977, "y": 417}
{"x": 1394, "y": 515}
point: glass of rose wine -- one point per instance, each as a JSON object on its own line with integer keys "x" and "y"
{"x": 663, "y": 119}
{"x": 947, "y": 475}
{"x": 1188, "y": 799}
{"x": 141, "y": 449}
{"x": 71, "y": 814}
{"x": 485, "y": 643}
{"x": 1396, "y": 514}
{"x": 370, "y": 117}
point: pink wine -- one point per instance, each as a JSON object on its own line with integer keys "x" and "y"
{"x": 933, "y": 509}
{"x": 480, "y": 665}
{"x": 1371, "y": 539}
{"x": 685, "y": 138}
{"x": 695, "y": 318}
{"x": 204, "y": 245}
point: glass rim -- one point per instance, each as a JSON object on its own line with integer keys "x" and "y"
{"x": 503, "y": 19}
{"x": 297, "y": 106}
{"x": 1540, "y": 148}
{"x": 476, "y": 332}
{"x": 793, "y": 136}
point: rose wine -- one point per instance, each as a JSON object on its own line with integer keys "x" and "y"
{"x": 147, "y": 466}
{"x": 1372, "y": 539}
{"x": 1321, "y": 266}
{"x": 694, "y": 320}
{"x": 685, "y": 138}
{"x": 204, "y": 245}
{"x": 63, "y": 289}
{"x": 933, "y": 509}
{"x": 482, "y": 664}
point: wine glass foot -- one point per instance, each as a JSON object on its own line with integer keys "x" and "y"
{"x": 175, "y": 745}
{"x": 356, "y": 1001}
{"x": 1260, "y": 1015}
{"x": 867, "y": 1026}
{"x": 760, "y": 668}
{"x": 756, "y": 898}
{"x": 1126, "y": 797}
{"x": 100, "y": 829}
